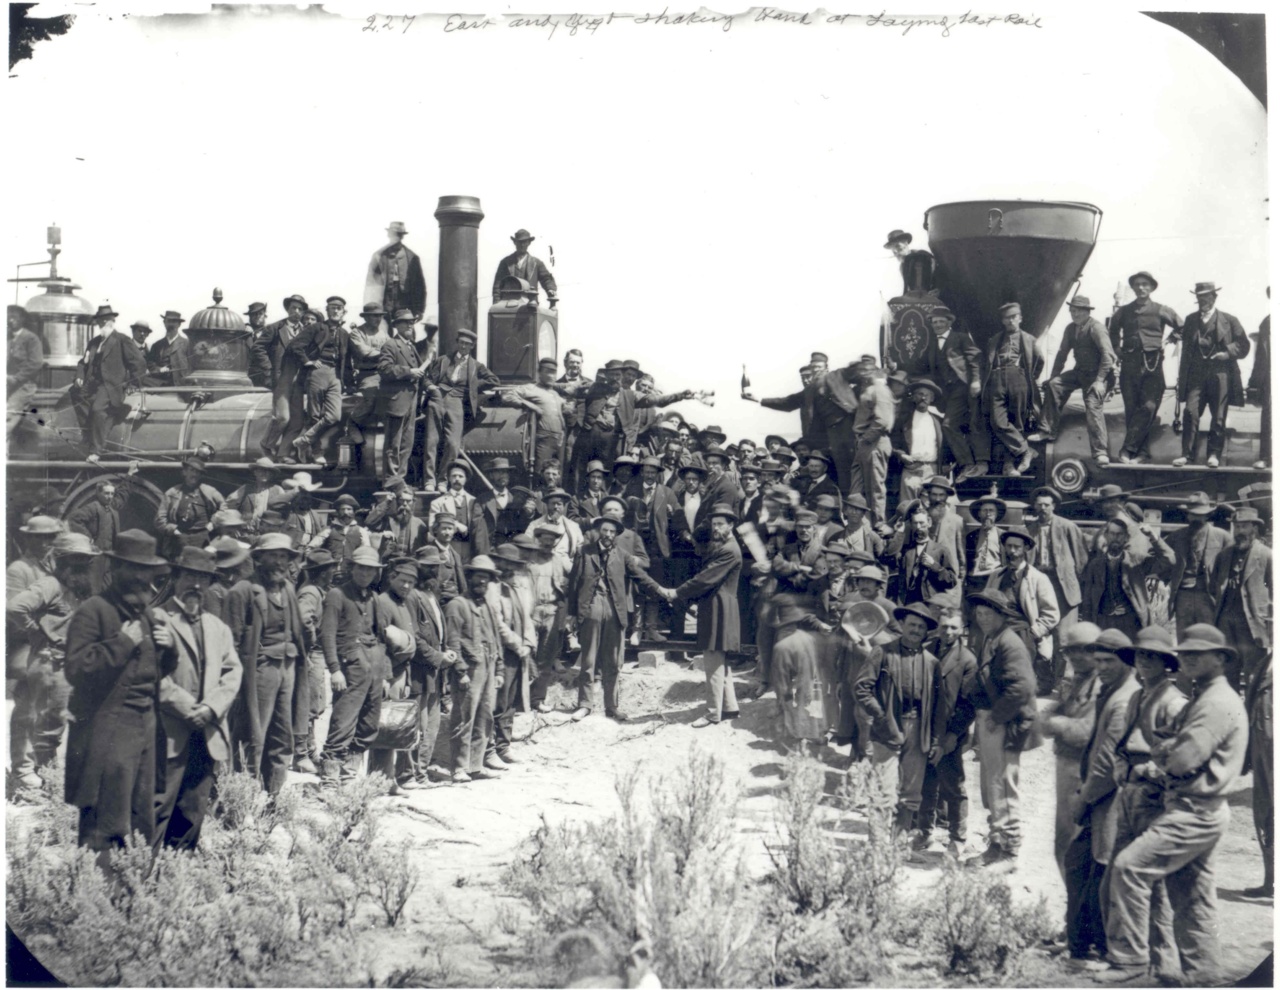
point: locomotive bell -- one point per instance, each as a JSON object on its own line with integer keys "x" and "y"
{"x": 219, "y": 347}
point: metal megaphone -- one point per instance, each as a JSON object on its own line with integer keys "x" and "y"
{"x": 866, "y": 619}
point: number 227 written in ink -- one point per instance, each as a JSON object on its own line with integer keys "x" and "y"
{"x": 388, "y": 23}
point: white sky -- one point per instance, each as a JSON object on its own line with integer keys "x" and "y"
{"x": 714, "y": 198}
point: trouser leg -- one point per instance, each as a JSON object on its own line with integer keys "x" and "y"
{"x": 1190, "y": 606}
{"x": 955, "y": 423}
{"x": 950, "y": 771}
{"x": 721, "y": 697}
{"x": 1095, "y": 422}
{"x": 504, "y": 706}
{"x": 842, "y": 452}
{"x": 1192, "y": 410}
{"x": 912, "y": 761}
{"x": 397, "y": 447}
{"x": 930, "y": 796}
{"x": 101, "y": 414}
{"x": 1193, "y": 899}
{"x": 870, "y": 471}
{"x": 1217, "y": 393}
{"x": 346, "y": 709}
{"x": 471, "y": 717}
{"x": 186, "y": 812}
{"x": 998, "y": 777}
{"x": 609, "y": 660}
{"x": 1083, "y": 875}
{"x": 592, "y": 641}
{"x": 20, "y": 407}
{"x": 324, "y": 396}
{"x": 1146, "y": 391}
{"x": 451, "y": 432}
{"x": 429, "y": 721}
{"x": 547, "y": 448}
{"x": 278, "y": 746}
{"x": 1264, "y": 809}
{"x": 765, "y": 637}
{"x": 1007, "y": 409}
{"x": 883, "y": 783}
{"x": 1056, "y": 393}
{"x": 318, "y": 697}
{"x": 1066, "y": 781}
{"x": 1264, "y": 437}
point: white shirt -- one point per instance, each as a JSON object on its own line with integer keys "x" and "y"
{"x": 924, "y": 437}
{"x": 691, "y": 503}
{"x": 501, "y": 497}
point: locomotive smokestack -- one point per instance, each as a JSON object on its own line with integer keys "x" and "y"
{"x": 459, "y": 218}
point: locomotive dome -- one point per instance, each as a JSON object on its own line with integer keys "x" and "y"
{"x": 63, "y": 320}
{"x": 219, "y": 346}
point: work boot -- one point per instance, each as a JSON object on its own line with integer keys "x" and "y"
{"x": 330, "y": 771}
{"x": 303, "y": 447}
{"x": 353, "y": 765}
{"x": 461, "y": 777}
{"x": 304, "y": 764}
{"x": 505, "y": 756}
{"x": 493, "y": 763}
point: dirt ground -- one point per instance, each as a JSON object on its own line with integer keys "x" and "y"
{"x": 465, "y": 836}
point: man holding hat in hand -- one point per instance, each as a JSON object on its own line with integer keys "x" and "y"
{"x": 195, "y": 700}
{"x": 453, "y": 384}
{"x": 1137, "y": 336}
{"x": 1209, "y": 374}
{"x": 1087, "y": 339}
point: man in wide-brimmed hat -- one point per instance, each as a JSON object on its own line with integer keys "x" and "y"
{"x": 1209, "y": 374}
{"x": 187, "y": 508}
{"x": 116, "y": 655}
{"x": 500, "y": 510}
{"x": 1241, "y": 585}
{"x": 26, "y": 359}
{"x": 273, "y": 366}
{"x": 1195, "y": 547}
{"x": 1061, "y": 552}
{"x": 1137, "y": 336}
{"x": 319, "y": 568}
{"x": 525, "y": 266}
{"x": 38, "y": 617}
{"x": 1030, "y": 592}
{"x": 1095, "y": 368}
{"x": 937, "y": 493}
{"x": 454, "y": 384}
{"x": 916, "y": 266}
{"x": 252, "y": 498}
{"x": 111, "y": 366}
{"x": 34, "y": 538}
{"x": 360, "y": 375}
{"x": 395, "y": 278}
{"x": 1004, "y": 696}
{"x": 195, "y": 701}
{"x": 1200, "y": 765}
{"x": 321, "y": 350}
{"x": 169, "y": 358}
{"x": 1113, "y": 587}
{"x": 474, "y": 631}
{"x": 917, "y": 436}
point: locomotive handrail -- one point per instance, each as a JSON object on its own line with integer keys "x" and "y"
{"x": 169, "y": 465}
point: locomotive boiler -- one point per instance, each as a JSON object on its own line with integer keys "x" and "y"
{"x": 218, "y": 409}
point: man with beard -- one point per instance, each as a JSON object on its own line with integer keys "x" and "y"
{"x": 112, "y": 365}
{"x": 318, "y": 569}
{"x": 345, "y": 534}
{"x": 279, "y": 370}
{"x": 186, "y": 509}
{"x": 473, "y": 630}
{"x": 364, "y": 351}
{"x": 116, "y": 656}
{"x": 195, "y": 699}
{"x": 947, "y": 527}
{"x": 1113, "y": 588}
{"x": 1137, "y": 336}
{"x": 262, "y": 611}
{"x": 554, "y": 413}
{"x": 100, "y": 519}
{"x": 1241, "y": 586}
{"x": 629, "y": 542}
{"x": 405, "y": 532}
{"x": 1196, "y": 547}
{"x": 231, "y": 558}
{"x": 556, "y": 502}
{"x": 398, "y": 375}
{"x": 1009, "y": 396}
{"x": 39, "y": 616}
{"x": 718, "y": 488}
{"x": 396, "y": 626}
{"x": 917, "y": 437}
{"x": 251, "y": 500}
{"x": 321, "y": 352}
{"x": 427, "y": 670}
{"x": 597, "y": 609}
{"x": 453, "y": 384}
{"x": 819, "y": 466}
{"x": 624, "y": 470}
{"x": 573, "y": 386}
{"x": 955, "y": 363}
{"x": 499, "y": 510}
{"x": 169, "y": 358}
{"x": 395, "y": 279}
{"x": 1031, "y": 595}
{"x": 1061, "y": 553}
{"x": 357, "y": 665}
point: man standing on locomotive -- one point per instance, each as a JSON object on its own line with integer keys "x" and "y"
{"x": 1137, "y": 335}
{"x": 454, "y": 383}
{"x": 523, "y": 265}
{"x": 1009, "y": 395}
{"x": 1209, "y": 374}
{"x": 398, "y": 376}
{"x": 26, "y": 358}
{"x": 274, "y": 366}
{"x": 956, "y": 365}
{"x": 395, "y": 280}
{"x": 112, "y": 365}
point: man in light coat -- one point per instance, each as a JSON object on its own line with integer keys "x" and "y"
{"x": 1061, "y": 551}
{"x": 1031, "y": 593}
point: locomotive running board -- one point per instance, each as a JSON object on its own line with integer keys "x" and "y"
{"x": 1190, "y": 470}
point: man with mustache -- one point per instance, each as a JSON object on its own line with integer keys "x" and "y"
{"x": 1241, "y": 587}
{"x": 116, "y": 656}
{"x": 195, "y": 699}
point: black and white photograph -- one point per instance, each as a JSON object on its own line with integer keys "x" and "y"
{"x": 671, "y": 497}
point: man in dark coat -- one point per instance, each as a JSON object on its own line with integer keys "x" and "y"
{"x": 116, "y": 657}
{"x": 956, "y": 366}
{"x": 398, "y": 375}
{"x": 1009, "y": 393}
{"x": 169, "y": 358}
{"x": 321, "y": 350}
{"x": 100, "y": 519}
{"x": 1137, "y": 337}
{"x": 715, "y": 588}
{"x": 1195, "y": 548}
{"x": 501, "y": 515}
{"x": 952, "y": 716}
{"x": 1209, "y": 374}
{"x": 1242, "y": 588}
{"x": 273, "y": 365}
{"x": 523, "y": 265}
{"x": 1260, "y": 389}
{"x": 1061, "y": 551}
{"x": 652, "y": 508}
{"x": 395, "y": 280}
{"x": 26, "y": 359}
{"x": 1113, "y": 587}
{"x": 112, "y": 364}
{"x": 453, "y": 383}
{"x": 927, "y": 568}
{"x": 1095, "y": 364}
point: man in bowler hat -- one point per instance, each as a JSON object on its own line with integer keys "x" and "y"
{"x": 112, "y": 365}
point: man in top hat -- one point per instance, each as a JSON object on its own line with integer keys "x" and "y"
{"x": 116, "y": 655}
{"x": 1004, "y": 697}
{"x": 1137, "y": 336}
{"x": 186, "y": 508}
{"x": 395, "y": 280}
{"x": 1241, "y": 586}
{"x": 1199, "y": 766}
{"x": 1209, "y": 374}
{"x": 872, "y": 422}
{"x": 898, "y": 695}
{"x": 1061, "y": 552}
{"x": 38, "y": 617}
{"x": 955, "y": 364}
{"x": 1031, "y": 595}
{"x": 111, "y": 366}
{"x": 522, "y": 264}
{"x": 1259, "y": 388}
{"x": 1009, "y": 393}
{"x": 195, "y": 700}
{"x": 252, "y": 498}
{"x": 360, "y": 373}
{"x": 262, "y": 611}
{"x": 1095, "y": 366}
{"x": 1113, "y": 587}
{"x": 453, "y": 384}
{"x": 916, "y": 266}
{"x": 100, "y": 519}
{"x": 26, "y": 359}
{"x": 555, "y": 414}
{"x": 917, "y": 437}
{"x": 321, "y": 351}
{"x": 273, "y": 365}
{"x": 398, "y": 376}
{"x": 169, "y": 358}
{"x": 1196, "y": 547}
{"x": 318, "y": 570}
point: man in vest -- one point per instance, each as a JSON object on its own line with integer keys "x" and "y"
{"x": 1209, "y": 374}
{"x": 395, "y": 280}
{"x": 1137, "y": 335}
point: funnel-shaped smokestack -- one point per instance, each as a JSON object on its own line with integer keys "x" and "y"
{"x": 991, "y": 252}
{"x": 459, "y": 218}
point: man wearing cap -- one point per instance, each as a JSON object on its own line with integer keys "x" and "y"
{"x": 1009, "y": 393}
{"x": 474, "y": 631}
{"x": 280, "y": 370}
{"x": 1137, "y": 336}
{"x": 1209, "y": 374}
{"x": 1196, "y": 547}
{"x": 195, "y": 700}
{"x": 499, "y": 509}
{"x": 1004, "y": 696}
{"x": 140, "y": 331}
{"x": 318, "y": 570}
{"x": 1095, "y": 365}
{"x": 453, "y": 384}
{"x": 927, "y": 570}
{"x": 955, "y": 364}
{"x": 38, "y": 617}
{"x": 169, "y": 358}
{"x": 555, "y": 414}
{"x": 360, "y": 373}
{"x": 395, "y": 279}
{"x": 872, "y": 424}
{"x": 521, "y": 264}
{"x": 262, "y": 611}
{"x": 100, "y": 519}
{"x": 1241, "y": 587}
{"x": 898, "y": 695}
{"x": 1061, "y": 552}
{"x": 1032, "y": 597}
{"x": 917, "y": 437}
{"x": 1199, "y": 768}
{"x": 321, "y": 351}
{"x": 398, "y": 376}
{"x": 111, "y": 366}
{"x": 116, "y": 655}
{"x": 1113, "y": 587}
{"x": 186, "y": 509}
{"x": 26, "y": 359}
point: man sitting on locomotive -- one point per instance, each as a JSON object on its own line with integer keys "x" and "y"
{"x": 1095, "y": 364}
